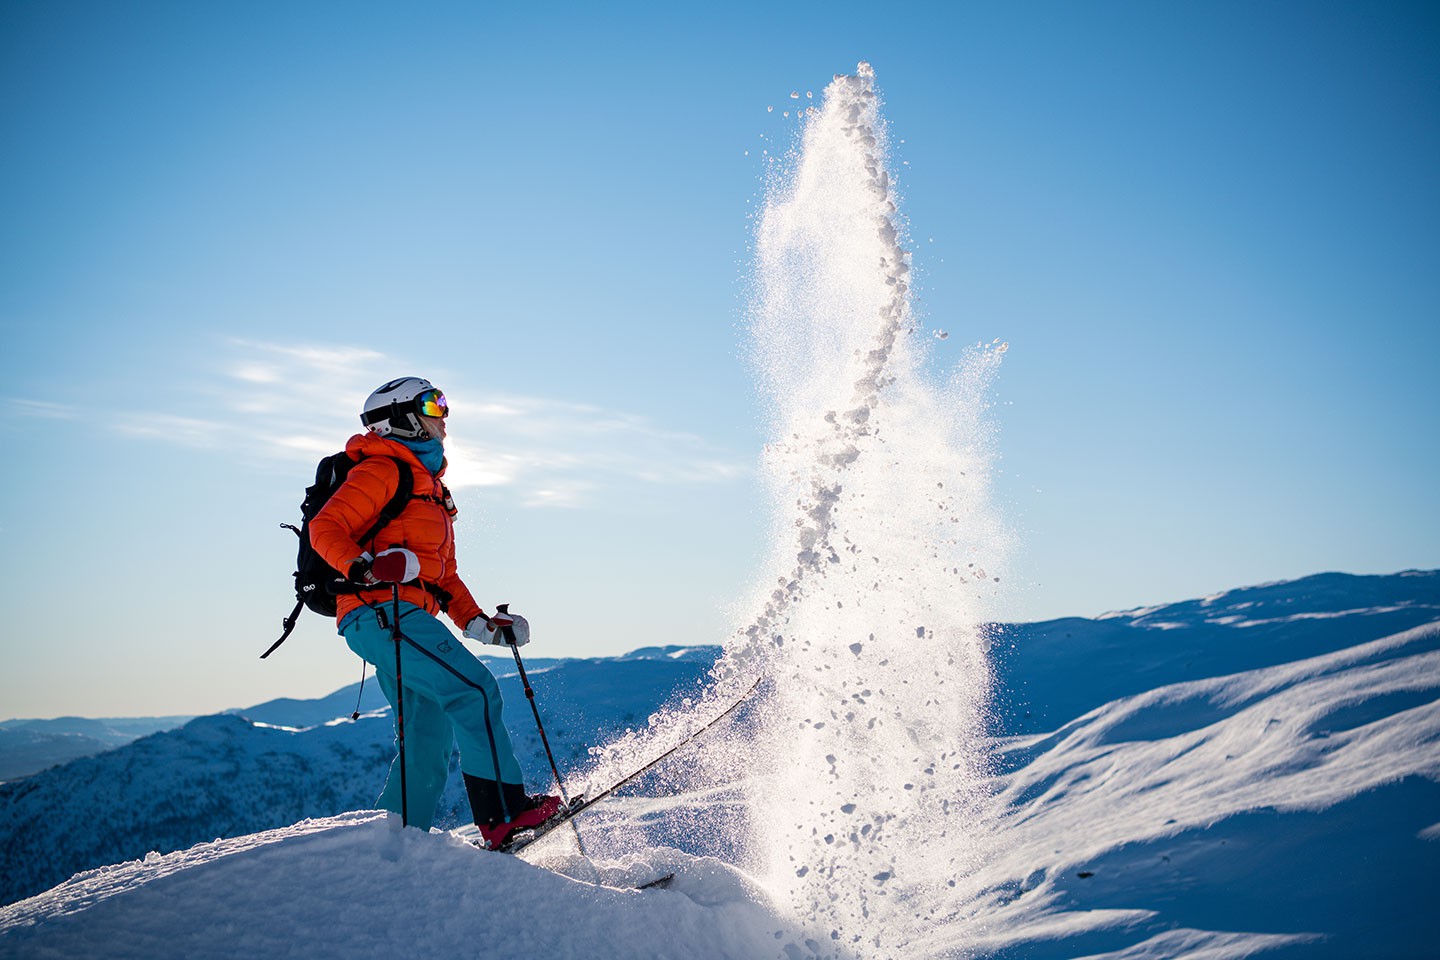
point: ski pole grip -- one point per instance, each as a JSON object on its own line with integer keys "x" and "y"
{"x": 507, "y": 631}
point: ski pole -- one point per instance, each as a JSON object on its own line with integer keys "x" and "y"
{"x": 509, "y": 634}
{"x": 399, "y": 704}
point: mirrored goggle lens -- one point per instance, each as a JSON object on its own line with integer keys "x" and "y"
{"x": 432, "y": 403}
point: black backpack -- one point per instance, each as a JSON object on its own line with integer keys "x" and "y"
{"x": 316, "y": 582}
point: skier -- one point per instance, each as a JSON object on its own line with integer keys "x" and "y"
{"x": 449, "y": 695}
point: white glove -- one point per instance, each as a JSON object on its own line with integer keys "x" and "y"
{"x": 492, "y": 630}
{"x": 396, "y": 565}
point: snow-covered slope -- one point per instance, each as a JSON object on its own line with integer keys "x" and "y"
{"x": 1291, "y": 805}
{"x": 1049, "y": 673}
{"x": 232, "y": 774}
{"x": 358, "y": 886}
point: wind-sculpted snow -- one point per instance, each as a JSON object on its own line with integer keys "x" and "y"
{"x": 1282, "y": 806}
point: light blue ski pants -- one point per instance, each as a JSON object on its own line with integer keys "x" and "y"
{"x": 450, "y": 697}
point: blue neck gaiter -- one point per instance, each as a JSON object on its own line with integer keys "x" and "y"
{"x": 430, "y": 453}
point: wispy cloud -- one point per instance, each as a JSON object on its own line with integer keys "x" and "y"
{"x": 43, "y": 409}
{"x": 298, "y": 402}
{"x": 186, "y": 431}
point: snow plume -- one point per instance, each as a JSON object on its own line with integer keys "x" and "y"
{"x": 868, "y": 762}
{"x": 854, "y": 780}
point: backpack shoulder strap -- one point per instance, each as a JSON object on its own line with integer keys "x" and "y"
{"x": 404, "y": 488}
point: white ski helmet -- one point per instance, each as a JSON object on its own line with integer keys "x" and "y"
{"x": 394, "y": 408}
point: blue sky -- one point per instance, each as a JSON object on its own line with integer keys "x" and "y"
{"x": 1207, "y": 231}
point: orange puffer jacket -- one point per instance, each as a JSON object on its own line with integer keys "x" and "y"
{"x": 424, "y": 526}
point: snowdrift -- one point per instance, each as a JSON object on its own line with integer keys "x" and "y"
{"x": 359, "y": 886}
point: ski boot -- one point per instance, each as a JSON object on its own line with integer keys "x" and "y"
{"x": 491, "y": 801}
{"x": 541, "y": 808}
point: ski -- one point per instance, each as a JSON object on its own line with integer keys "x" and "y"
{"x": 523, "y": 838}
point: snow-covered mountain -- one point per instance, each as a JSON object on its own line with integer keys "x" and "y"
{"x": 1292, "y": 806}
{"x": 29, "y": 746}
{"x": 1254, "y": 771}
{"x": 1049, "y": 673}
{"x": 239, "y": 772}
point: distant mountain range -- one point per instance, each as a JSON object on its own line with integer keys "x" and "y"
{"x": 29, "y": 746}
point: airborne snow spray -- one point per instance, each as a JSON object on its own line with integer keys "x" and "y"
{"x": 861, "y": 769}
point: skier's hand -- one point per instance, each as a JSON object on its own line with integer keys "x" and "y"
{"x": 492, "y": 629}
{"x": 359, "y": 571}
{"x": 396, "y": 565}
{"x": 513, "y": 628}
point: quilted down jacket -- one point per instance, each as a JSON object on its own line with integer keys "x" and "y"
{"x": 425, "y": 526}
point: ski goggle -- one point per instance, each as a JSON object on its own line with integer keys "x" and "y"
{"x": 432, "y": 403}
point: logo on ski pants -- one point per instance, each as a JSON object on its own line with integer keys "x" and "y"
{"x": 450, "y": 697}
